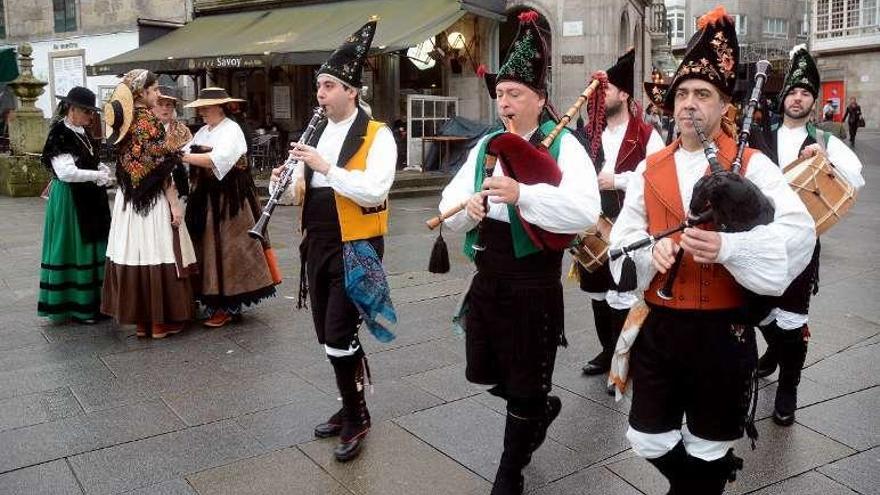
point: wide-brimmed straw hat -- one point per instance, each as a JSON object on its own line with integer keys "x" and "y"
{"x": 118, "y": 113}
{"x": 212, "y": 96}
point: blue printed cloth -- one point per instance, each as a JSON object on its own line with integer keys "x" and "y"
{"x": 368, "y": 289}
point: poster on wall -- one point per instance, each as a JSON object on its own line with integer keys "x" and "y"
{"x": 67, "y": 73}
{"x": 281, "y": 102}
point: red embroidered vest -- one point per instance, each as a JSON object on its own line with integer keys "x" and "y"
{"x": 697, "y": 286}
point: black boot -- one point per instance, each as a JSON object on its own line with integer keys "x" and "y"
{"x": 355, "y": 416}
{"x": 602, "y": 317}
{"x": 709, "y": 477}
{"x": 672, "y": 465}
{"x": 792, "y": 354}
{"x": 330, "y": 428}
{"x": 519, "y": 438}
{"x": 552, "y": 406}
{"x": 768, "y": 362}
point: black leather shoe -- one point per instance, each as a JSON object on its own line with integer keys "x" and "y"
{"x": 783, "y": 419}
{"x": 595, "y": 369}
{"x": 766, "y": 365}
{"x": 331, "y": 428}
{"x": 347, "y": 451}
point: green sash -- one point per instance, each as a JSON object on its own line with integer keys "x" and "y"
{"x": 522, "y": 244}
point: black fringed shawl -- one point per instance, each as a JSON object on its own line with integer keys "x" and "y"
{"x": 90, "y": 200}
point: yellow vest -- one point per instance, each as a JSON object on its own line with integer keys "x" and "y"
{"x": 355, "y": 221}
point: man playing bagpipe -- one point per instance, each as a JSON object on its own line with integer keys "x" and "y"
{"x": 624, "y": 142}
{"x": 695, "y": 355}
{"x": 785, "y": 327}
{"x": 520, "y": 216}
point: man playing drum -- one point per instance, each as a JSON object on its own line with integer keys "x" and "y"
{"x": 785, "y": 327}
{"x": 625, "y": 142}
{"x": 695, "y": 354}
{"x": 514, "y": 318}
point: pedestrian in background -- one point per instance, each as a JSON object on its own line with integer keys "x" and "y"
{"x": 853, "y": 117}
{"x": 77, "y": 218}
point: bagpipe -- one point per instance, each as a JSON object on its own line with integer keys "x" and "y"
{"x": 724, "y": 198}
{"x": 525, "y": 163}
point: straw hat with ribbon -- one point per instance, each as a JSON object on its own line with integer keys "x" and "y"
{"x": 118, "y": 113}
{"x": 212, "y": 96}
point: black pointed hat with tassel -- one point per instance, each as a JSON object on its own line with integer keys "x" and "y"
{"x": 712, "y": 55}
{"x": 527, "y": 61}
{"x": 622, "y": 73}
{"x": 347, "y": 62}
{"x": 803, "y": 73}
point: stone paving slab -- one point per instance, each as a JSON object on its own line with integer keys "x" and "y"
{"x": 809, "y": 483}
{"x": 128, "y": 466}
{"x": 51, "y": 376}
{"x": 50, "y": 478}
{"x": 48, "y": 441}
{"x": 860, "y": 472}
{"x": 389, "y": 452}
{"x": 173, "y": 487}
{"x": 588, "y": 482}
{"x": 853, "y": 419}
{"x": 237, "y": 398}
{"x": 448, "y": 382}
{"x": 473, "y": 434}
{"x": 281, "y": 472}
{"x": 27, "y": 410}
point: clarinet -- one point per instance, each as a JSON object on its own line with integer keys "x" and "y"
{"x": 259, "y": 230}
{"x": 763, "y": 68}
{"x": 711, "y": 152}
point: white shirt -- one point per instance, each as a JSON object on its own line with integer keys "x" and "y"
{"x": 368, "y": 187}
{"x": 612, "y": 140}
{"x": 569, "y": 208}
{"x": 764, "y": 260}
{"x": 65, "y": 167}
{"x": 788, "y": 146}
{"x": 227, "y": 142}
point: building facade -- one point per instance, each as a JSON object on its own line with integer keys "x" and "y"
{"x": 69, "y": 35}
{"x": 846, "y": 43}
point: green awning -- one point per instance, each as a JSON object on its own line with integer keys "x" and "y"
{"x": 8, "y": 65}
{"x": 300, "y": 35}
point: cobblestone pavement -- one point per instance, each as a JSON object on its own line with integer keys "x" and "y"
{"x": 92, "y": 409}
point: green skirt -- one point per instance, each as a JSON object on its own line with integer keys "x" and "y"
{"x": 71, "y": 270}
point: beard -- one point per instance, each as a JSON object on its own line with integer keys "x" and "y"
{"x": 795, "y": 114}
{"x": 613, "y": 109}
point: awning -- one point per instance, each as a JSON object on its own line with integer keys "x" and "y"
{"x": 300, "y": 35}
{"x": 8, "y": 65}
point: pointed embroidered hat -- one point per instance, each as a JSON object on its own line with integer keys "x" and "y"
{"x": 712, "y": 54}
{"x": 802, "y": 73}
{"x": 527, "y": 61}
{"x": 347, "y": 62}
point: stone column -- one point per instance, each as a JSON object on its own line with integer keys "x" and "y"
{"x": 21, "y": 173}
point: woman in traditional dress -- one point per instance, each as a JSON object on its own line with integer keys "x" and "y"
{"x": 77, "y": 216}
{"x": 149, "y": 255}
{"x": 235, "y": 270}
{"x": 177, "y": 133}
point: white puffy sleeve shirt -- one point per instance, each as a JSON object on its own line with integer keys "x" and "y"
{"x": 569, "y": 208}
{"x": 227, "y": 142}
{"x": 764, "y": 260}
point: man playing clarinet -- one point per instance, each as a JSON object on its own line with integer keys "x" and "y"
{"x": 785, "y": 327}
{"x": 514, "y": 309}
{"x": 695, "y": 355}
{"x": 348, "y": 174}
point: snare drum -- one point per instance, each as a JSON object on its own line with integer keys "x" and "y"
{"x": 590, "y": 249}
{"x": 823, "y": 190}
